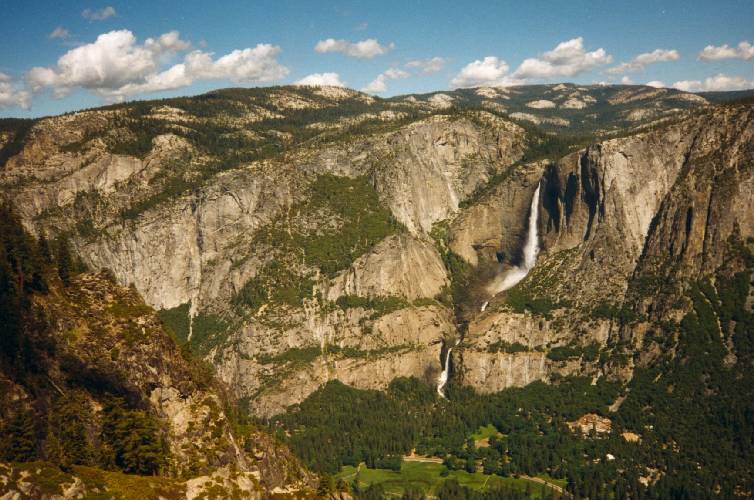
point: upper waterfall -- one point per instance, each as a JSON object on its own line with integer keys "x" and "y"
{"x": 508, "y": 279}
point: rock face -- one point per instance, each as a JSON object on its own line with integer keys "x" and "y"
{"x": 660, "y": 205}
{"x": 95, "y": 340}
{"x": 215, "y": 215}
{"x": 401, "y": 266}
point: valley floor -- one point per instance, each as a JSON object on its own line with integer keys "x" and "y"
{"x": 426, "y": 476}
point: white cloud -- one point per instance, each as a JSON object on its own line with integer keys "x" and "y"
{"x": 489, "y": 72}
{"x": 98, "y": 14}
{"x": 365, "y": 49}
{"x": 59, "y": 32}
{"x": 744, "y": 51}
{"x": 639, "y": 62}
{"x": 319, "y": 79}
{"x": 567, "y": 59}
{"x": 688, "y": 85}
{"x": 11, "y": 94}
{"x": 115, "y": 65}
{"x": 379, "y": 84}
{"x": 715, "y": 83}
{"x": 167, "y": 42}
{"x": 656, "y": 84}
{"x": 112, "y": 61}
{"x": 395, "y": 73}
{"x": 626, "y": 81}
{"x": 361, "y": 26}
{"x": 427, "y": 66}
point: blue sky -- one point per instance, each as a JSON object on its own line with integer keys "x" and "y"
{"x": 62, "y": 56}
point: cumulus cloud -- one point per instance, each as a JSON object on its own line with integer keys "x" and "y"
{"x": 115, "y": 66}
{"x": 11, "y": 94}
{"x": 98, "y": 14}
{"x": 365, "y": 49}
{"x": 714, "y": 83}
{"x": 744, "y": 51}
{"x": 319, "y": 79}
{"x": 167, "y": 42}
{"x": 567, "y": 59}
{"x": 59, "y": 33}
{"x": 656, "y": 84}
{"x": 639, "y": 62}
{"x": 379, "y": 84}
{"x": 427, "y": 66}
{"x": 489, "y": 72}
{"x": 626, "y": 81}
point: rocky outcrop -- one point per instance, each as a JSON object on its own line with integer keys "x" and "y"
{"x": 435, "y": 164}
{"x": 277, "y": 368}
{"x": 659, "y": 205}
{"x": 399, "y": 266}
{"x": 95, "y": 340}
{"x": 493, "y": 229}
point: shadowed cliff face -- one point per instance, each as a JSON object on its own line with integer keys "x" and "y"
{"x": 349, "y": 244}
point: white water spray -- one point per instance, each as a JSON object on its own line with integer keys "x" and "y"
{"x": 442, "y": 380}
{"x": 531, "y": 249}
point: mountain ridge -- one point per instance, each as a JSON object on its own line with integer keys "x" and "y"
{"x": 297, "y": 236}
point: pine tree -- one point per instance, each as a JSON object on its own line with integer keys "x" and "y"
{"x": 45, "y": 251}
{"x": 64, "y": 260}
{"x": 69, "y": 419}
{"x": 134, "y": 437}
{"x": 18, "y": 438}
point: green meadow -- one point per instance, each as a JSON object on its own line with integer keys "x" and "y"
{"x": 427, "y": 477}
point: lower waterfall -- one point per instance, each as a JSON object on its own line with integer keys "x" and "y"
{"x": 442, "y": 380}
{"x": 508, "y": 279}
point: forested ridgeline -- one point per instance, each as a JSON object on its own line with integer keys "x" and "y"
{"x": 41, "y": 419}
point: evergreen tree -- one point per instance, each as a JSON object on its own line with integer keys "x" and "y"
{"x": 64, "y": 260}
{"x": 134, "y": 437}
{"x": 45, "y": 251}
{"x": 18, "y": 438}
{"x": 68, "y": 422}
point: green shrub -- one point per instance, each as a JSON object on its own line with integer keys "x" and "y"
{"x": 521, "y": 301}
{"x": 380, "y": 305}
{"x": 177, "y": 321}
{"x": 277, "y": 284}
{"x": 364, "y": 222}
{"x": 207, "y": 331}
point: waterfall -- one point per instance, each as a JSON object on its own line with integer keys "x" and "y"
{"x": 442, "y": 380}
{"x": 531, "y": 249}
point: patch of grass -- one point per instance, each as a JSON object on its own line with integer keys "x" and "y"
{"x": 427, "y": 477}
{"x": 485, "y": 432}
